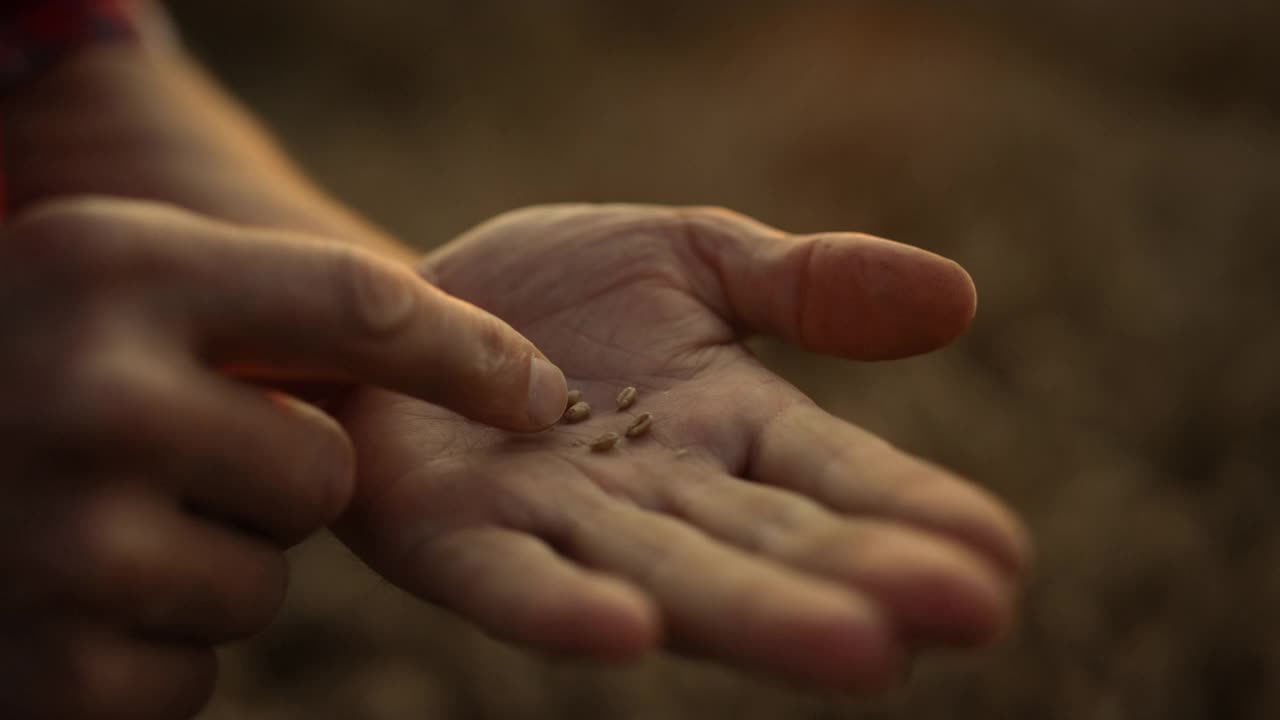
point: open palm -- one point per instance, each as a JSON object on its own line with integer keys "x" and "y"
{"x": 748, "y": 525}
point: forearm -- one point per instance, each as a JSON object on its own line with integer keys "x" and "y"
{"x": 143, "y": 120}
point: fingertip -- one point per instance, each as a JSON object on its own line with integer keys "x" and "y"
{"x": 967, "y": 290}
{"x": 547, "y": 394}
{"x": 602, "y": 617}
{"x": 827, "y": 637}
{"x": 1009, "y": 543}
{"x": 938, "y": 299}
{"x": 629, "y": 620}
{"x": 974, "y": 517}
{"x": 959, "y": 294}
{"x": 852, "y": 648}
{"x": 937, "y": 592}
{"x": 874, "y": 299}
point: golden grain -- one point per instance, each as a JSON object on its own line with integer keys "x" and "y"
{"x": 626, "y": 398}
{"x": 578, "y": 412}
{"x": 604, "y": 442}
{"x": 640, "y": 425}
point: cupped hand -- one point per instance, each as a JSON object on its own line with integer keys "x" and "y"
{"x": 146, "y": 497}
{"x": 747, "y": 525}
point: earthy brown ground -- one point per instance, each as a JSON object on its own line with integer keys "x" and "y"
{"x": 1107, "y": 171}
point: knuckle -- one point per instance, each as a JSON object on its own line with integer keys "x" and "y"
{"x": 110, "y": 546}
{"x": 113, "y": 680}
{"x": 712, "y": 212}
{"x": 700, "y": 229}
{"x": 60, "y": 668}
{"x": 111, "y": 394}
{"x": 481, "y": 364}
{"x": 64, "y": 216}
{"x": 379, "y": 297}
{"x": 492, "y": 351}
{"x": 708, "y": 218}
{"x": 111, "y": 559}
{"x": 93, "y": 678}
{"x": 231, "y": 606}
{"x": 540, "y": 214}
{"x": 711, "y": 227}
{"x": 69, "y": 234}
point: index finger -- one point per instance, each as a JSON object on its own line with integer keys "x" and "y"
{"x": 297, "y": 306}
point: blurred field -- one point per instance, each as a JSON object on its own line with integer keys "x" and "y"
{"x": 1107, "y": 172}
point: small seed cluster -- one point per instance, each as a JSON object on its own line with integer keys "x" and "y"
{"x": 577, "y": 410}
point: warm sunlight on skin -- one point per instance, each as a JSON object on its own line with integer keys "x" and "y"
{"x": 748, "y": 525}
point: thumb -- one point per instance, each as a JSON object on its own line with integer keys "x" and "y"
{"x": 844, "y": 294}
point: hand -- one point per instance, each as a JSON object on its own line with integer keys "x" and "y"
{"x": 145, "y": 496}
{"x": 748, "y": 525}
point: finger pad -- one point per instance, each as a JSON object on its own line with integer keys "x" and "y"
{"x": 973, "y": 517}
{"x": 936, "y": 592}
{"x": 821, "y": 639}
{"x": 872, "y": 299}
{"x": 601, "y": 618}
{"x": 852, "y": 657}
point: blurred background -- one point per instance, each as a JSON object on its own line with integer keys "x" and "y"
{"x": 1107, "y": 172}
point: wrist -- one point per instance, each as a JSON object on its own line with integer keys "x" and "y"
{"x": 139, "y": 119}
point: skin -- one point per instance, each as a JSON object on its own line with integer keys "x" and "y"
{"x": 748, "y": 526}
{"x": 147, "y": 491}
{"x": 147, "y": 497}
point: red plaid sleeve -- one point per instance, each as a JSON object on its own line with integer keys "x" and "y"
{"x": 37, "y": 33}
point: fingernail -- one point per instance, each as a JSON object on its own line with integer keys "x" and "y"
{"x": 547, "y": 392}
